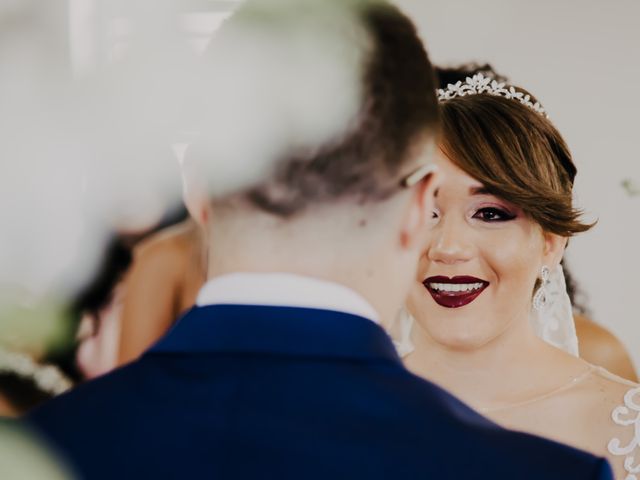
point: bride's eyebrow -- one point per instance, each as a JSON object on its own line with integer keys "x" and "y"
{"x": 482, "y": 190}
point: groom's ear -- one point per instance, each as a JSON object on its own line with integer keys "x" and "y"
{"x": 416, "y": 222}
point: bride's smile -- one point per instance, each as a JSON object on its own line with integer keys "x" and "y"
{"x": 455, "y": 292}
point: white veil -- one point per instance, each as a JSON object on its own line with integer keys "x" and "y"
{"x": 554, "y": 323}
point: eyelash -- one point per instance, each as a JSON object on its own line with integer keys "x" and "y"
{"x": 503, "y": 215}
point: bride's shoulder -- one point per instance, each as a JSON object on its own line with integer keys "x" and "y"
{"x": 609, "y": 387}
{"x": 603, "y": 392}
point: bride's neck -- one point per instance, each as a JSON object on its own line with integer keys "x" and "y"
{"x": 512, "y": 366}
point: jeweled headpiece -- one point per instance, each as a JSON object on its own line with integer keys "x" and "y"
{"x": 480, "y": 84}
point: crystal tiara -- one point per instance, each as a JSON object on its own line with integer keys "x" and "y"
{"x": 481, "y": 84}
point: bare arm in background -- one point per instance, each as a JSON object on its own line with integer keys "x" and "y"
{"x": 161, "y": 284}
{"x": 601, "y": 347}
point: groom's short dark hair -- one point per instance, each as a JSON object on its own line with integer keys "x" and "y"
{"x": 399, "y": 109}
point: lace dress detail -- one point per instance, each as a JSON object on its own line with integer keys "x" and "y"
{"x": 628, "y": 416}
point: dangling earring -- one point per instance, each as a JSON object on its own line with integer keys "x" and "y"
{"x": 540, "y": 299}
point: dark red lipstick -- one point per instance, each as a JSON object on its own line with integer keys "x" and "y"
{"x": 454, "y": 292}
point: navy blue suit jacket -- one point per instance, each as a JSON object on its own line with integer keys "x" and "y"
{"x": 244, "y": 392}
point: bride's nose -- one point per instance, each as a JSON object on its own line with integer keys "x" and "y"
{"x": 450, "y": 242}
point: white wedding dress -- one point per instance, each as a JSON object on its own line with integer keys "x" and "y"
{"x": 596, "y": 411}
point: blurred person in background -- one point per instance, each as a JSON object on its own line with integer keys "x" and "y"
{"x": 99, "y": 308}
{"x": 168, "y": 270}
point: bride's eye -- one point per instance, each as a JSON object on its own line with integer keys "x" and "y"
{"x": 493, "y": 214}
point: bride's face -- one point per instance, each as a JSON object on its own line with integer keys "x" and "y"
{"x": 477, "y": 274}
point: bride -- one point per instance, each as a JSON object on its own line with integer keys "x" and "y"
{"x": 493, "y": 323}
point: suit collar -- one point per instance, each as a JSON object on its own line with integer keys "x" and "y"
{"x": 276, "y": 330}
{"x": 277, "y": 289}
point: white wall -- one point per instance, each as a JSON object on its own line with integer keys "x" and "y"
{"x": 580, "y": 58}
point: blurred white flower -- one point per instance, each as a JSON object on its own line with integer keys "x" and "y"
{"x": 274, "y": 82}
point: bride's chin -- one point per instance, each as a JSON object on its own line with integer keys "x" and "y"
{"x": 461, "y": 338}
{"x": 463, "y": 343}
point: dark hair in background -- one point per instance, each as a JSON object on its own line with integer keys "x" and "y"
{"x": 98, "y": 293}
{"x": 452, "y": 75}
{"x": 22, "y": 393}
{"x": 398, "y": 109}
{"x": 91, "y": 299}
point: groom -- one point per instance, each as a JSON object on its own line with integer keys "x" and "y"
{"x": 283, "y": 370}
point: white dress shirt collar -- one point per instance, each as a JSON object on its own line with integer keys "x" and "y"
{"x": 284, "y": 289}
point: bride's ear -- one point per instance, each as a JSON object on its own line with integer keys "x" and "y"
{"x": 554, "y": 246}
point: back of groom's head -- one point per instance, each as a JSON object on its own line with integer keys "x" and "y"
{"x": 364, "y": 159}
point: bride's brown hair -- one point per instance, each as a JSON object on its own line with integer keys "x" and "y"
{"x": 517, "y": 154}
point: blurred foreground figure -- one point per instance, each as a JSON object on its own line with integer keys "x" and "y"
{"x": 282, "y": 369}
